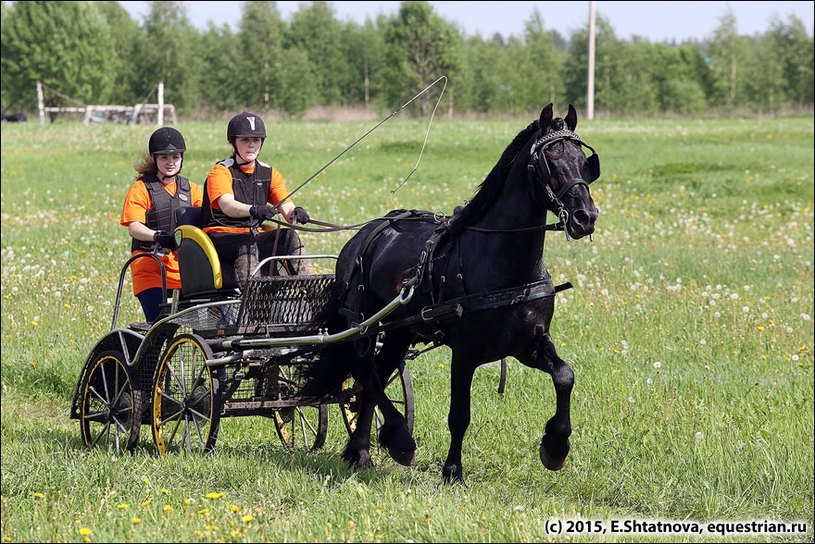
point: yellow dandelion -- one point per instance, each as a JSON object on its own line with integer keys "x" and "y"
{"x": 145, "y": 480}
{"x": 233, "y": 508}
{"x": 39, "y": 495}
{"x": 247, "y": 518}
{"x": 146, "y": 503}
{"x": 169, "y": 508}
{"x": 165, "y": 491}
{"x": 85, "y": 531}
{"x": 189, "y": 501}
{"x": 136, "y": 521}
{"x": 214, "y": 495}
{"x": 122, "y": 506}
{"x": 203, "y": 511}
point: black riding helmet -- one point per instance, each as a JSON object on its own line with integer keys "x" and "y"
{"x": 245, "y": 125}
{"x": 166, "y": 141}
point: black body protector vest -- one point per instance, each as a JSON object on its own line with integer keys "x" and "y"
{"x": 252, "y": 189}
{"x": 161, "y": 215}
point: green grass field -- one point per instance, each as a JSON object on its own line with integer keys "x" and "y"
{"x": 689, "y": 330}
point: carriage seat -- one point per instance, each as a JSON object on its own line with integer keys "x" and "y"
{"x": 201, "y": 272}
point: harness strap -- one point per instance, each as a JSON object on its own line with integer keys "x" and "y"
{"x": 481, "y": 301}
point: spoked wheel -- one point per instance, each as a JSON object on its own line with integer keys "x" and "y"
{"x": 111, "y": 411}
{"x": 186, "y": 397}
{"x": 300, "y": 426}
{"x": 399, "y": 390}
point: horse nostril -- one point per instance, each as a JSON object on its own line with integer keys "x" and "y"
{"x": 584, "y": 217}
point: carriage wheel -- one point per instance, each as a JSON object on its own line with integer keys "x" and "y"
{"x": 186, "y": 397}
{"x": 111, "y": 411}
{"x": 399, "y": 390}
{"x": 300, "y": 426}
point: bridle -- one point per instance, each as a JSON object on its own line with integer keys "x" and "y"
{"x": 539, "y": 172}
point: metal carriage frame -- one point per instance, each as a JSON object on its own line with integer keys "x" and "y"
{"x": 231, "y": 354}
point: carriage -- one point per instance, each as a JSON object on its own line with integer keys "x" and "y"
{"x": 285, "y": 345}
{"x": 217, "y": 351}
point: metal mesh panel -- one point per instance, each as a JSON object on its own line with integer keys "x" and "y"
{"x": 208, "y": 318}
{"x": 284, "y": 300}
{"x": 277, "y": 376}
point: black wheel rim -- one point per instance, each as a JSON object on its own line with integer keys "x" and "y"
{"x": 107, "y": 404}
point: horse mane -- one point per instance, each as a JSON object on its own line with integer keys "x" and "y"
{"x": 490, "y": 189}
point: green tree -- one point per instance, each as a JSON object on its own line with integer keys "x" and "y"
{"x": 221, "y": 53}
{"x": 298, "y": 86}
{"x": 541, "y": 66}
{"x": 169, "y": 53}
{"x": 126, "y": 35}
{"x": 421, "y": 47}
{"x": 793, "y": 50}
{"x": 366, "y": 61}
{"x": 65, "y": 45}
{"x": 260, "y": 44}
{"x": 315, "y": 31}
{"x": 725, "y": 54}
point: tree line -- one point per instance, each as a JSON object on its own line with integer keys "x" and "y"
{"x": 96, "y": 53}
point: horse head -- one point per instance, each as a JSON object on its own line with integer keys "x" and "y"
{"x": 558, "y": 164}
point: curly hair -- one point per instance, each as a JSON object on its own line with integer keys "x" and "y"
{"x": 145, "y": 166}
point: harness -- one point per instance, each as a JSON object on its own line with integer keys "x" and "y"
{"x": 438, "y": 307}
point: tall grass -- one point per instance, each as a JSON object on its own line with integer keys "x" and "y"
{"x": 689, "y": 329}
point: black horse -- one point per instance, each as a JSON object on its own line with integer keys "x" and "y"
{"x": 480, "y": 284}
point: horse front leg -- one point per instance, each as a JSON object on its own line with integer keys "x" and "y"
{"x": 458, "y": 419}
{"x": 554, "y": 446}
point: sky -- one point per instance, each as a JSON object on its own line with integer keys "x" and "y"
{"x": 655, "y": 21}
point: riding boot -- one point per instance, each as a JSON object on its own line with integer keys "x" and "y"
{"x": 246, "y": 261}
{"x": 292, "y": 245}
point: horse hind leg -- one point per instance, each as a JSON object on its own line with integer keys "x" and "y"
{"x": 358, "y": 450}
{"x": 554, "y": 446}
{"x": 394, "y": 434}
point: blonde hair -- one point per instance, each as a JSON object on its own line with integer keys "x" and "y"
{"x": 145, "y": 166}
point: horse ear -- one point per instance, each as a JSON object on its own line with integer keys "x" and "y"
{"x": 546, "y": 116}
{"x": 571, "y": 118}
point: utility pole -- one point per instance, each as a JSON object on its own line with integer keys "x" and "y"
{"x": 590, "y": 85}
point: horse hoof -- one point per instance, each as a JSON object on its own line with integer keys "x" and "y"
{"x": 452, "y": 475}
{"x": 405, "y": 458}
{"x": 360, "y": 459}
{"x": 549, "y": 461}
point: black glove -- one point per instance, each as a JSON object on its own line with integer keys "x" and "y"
{"x": 263, "y": 213}
{"x": 164, "y": 240}
{"x": 299, "y": 215}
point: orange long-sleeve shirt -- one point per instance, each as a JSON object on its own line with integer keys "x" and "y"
{"x": 146, "y": 273}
